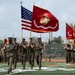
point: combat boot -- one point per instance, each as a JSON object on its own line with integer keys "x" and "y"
{"x": 31, "y": 68}
{"x": 39, "y": 68}
{"x": 9, "y": 72}
{"x": 23, "y": 67}
{"x": 14, "y": 67}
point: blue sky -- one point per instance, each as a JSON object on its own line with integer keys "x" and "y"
{"x": 10, "y": 16}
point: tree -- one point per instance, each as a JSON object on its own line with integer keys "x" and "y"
{"x": 1, "y": 42}
{"x": 58, "y": 40}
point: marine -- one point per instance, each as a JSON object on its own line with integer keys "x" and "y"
{"x": 24, "y": 52}
{"x": 9, "y": 48}
{"x": 15, "y": 53}
{"x": 31, "y": 52}
{"x": 38, "y": 52}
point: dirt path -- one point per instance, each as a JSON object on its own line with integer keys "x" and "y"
{"x": 54, "y": 60}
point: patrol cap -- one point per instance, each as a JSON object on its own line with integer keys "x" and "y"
{"x": 23, "y": 38}
{"x": 9, "y": 38}
{"x": 14, "y": 38}
{"x": 39, "y": 38}
{"x": 30, "y": 38}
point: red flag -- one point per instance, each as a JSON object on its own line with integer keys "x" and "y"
{"x": 69, "y": 32}
{"x": 5, "y": 41}
{"x": 74, "y": 32}
{"x": 43, "y": 20}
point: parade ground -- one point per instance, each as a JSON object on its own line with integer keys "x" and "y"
{"x": 54, "y": 67}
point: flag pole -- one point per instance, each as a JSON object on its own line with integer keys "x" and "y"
{"x": 31, "y": 31}
{"x": 21, "y": 28}
{"x": 49, "y": 37}
{"x": 21, "y": 3}
{"x": 21, "y": 33}
{"x": 30, "y": 34}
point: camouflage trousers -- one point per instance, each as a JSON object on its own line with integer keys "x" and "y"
{"x": 15, "y": 60}
{"x": 24, "y": 60}
{"x": 31, "y": 59}
{"x": 10, "y": 62}
{"x": 38, "y": 57}
{"x": 68, "y": 56}
{"x": 73, "y": 56}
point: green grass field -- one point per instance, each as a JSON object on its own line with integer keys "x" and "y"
{"x": 48, "y": 68}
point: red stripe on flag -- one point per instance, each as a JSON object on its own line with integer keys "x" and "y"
{"x": 26, "y": 28}
{"x": 24, "y": 25}
{"x": 23, "y": 21}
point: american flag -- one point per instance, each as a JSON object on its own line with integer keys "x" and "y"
{"x": 26, "y": 16}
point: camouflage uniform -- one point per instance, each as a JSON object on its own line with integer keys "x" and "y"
{"x": 73, "y": 54}
{"x": 68, "y": 53}
{"x": 9, "y": 53}
{"x": 31, "y": 53}
{"x": 24, "y": 52}
{"x": 2, "y": 52}
{"x": 15, "y": 56}
{"x": 38, "y": 52}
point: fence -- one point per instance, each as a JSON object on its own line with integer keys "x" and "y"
{"x": 51, "y": 50}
